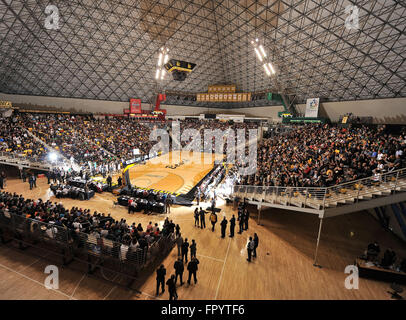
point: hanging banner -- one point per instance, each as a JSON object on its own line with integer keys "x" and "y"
{"x": 312, "y": 108}
{"x": 223, "y": 97}
{"x": 135, "y": 106}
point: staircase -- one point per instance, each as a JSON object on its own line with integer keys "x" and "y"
{"x": 345, "y": 198}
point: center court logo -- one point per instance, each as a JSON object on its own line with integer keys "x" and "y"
{"x": 190, "y": 145}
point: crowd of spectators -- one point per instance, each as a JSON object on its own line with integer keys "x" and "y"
{"x": 101, "y": 145}
{"x": 306, "y": 156}
{"x": 119, "y": 136}
{"x": 78, "y": 220}
{"x": 14, "y": 139}
{"x": 63, "y": 133}
{"x": 326, "y": 155}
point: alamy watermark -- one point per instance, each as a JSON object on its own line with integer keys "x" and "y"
{"x": 352, "y": 281}
{"x": 52, "y": 19}
{"x": 52, "y": 281}
{"x": 352, "y": 21}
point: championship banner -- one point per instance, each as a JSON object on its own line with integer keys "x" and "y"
{"x": 222, "y": 89}
{"x": 223, "y": 97}
{"x": 312, "y": 108}
{"x": 135, "y": 106}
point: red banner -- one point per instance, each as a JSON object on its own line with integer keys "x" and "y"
{"x": 135, "y": 106}
{"x": 160, "y": 98}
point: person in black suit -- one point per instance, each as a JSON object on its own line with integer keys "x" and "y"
{"x": 241, "y": 222}
{"x": 185, "y": 249}
{"x": 232, "y": 226}
{"x": 202, "y": 214}
{"x": 109, "y": 181}
{"x": 246, "y": 219}
{"x": 171, "y": 283}
{"x": 31, "y": 181}
{"x": 223, "y": 227}
{"x": 192, "y": 268}
{"x": 160, "y": 278}
{"x": 193, "y": 250}
{"x": 389, "y": 258}
{"x": 179, "y": 268}
{"x": 256, "y": 243}
{"x": 48, "y": 175}
{"x": 373, "y": 251}
{"x": 196, "y": 216}
{"x": 250, "y": 248}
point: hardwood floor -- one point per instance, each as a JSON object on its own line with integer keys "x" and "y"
{"x": 283, "y": 269}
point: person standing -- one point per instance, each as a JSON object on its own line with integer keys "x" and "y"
{"x": 168, "y": 202}
{"x": 185, "y": 249}
{"x": 192, "y": 268}
{"x": 198, "y": 195}
{"x": 109, "y": 181}
{"x": 179, "y": 268}
{"x": 241, "y": 222}
{"x": 1, "y": 181}
{"x": 164, "y": 197}
{"x": 177, "y": 228}
{"x": 250, "y": 248}
{"x": 193, "y": 249}
{"x": 213, "y": 220}
{"x": 31, "y": 181}
{"x": 196, "y": 215}
{"x": 232, "y": 226}
{"x": 213, "y": 204}
{"x": 256, "y": 243}
{"x": 223, "y": 227}
{"x": 160, "y": 278}
{"x": 246, "y": 218}
{"x": 202, "y": 214}
{"x": 172, "y": 288}
{"x": 48, "y": 175}
{"x": 179, "y": 243}
{"x": 34, "y": 176}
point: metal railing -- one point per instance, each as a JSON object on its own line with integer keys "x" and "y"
{"x": 323, "y": 198}
{"x": 34, "y": 162}
{"x": 24, "y": 161}
{"x": 96, "y": 255}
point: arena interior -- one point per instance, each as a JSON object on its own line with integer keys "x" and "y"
{"x": 262, "y": 143}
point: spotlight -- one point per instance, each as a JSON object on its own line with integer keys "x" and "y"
{"x": 53, "y": 156}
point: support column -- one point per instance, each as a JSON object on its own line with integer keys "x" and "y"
{"x": 259, "y": 208}
{"x": 318, "y": 242}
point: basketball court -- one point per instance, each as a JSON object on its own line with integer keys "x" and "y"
{"x": 176, "y": 172}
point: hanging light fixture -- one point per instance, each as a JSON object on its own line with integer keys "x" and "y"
{"x": 263, "y": 57}
{"x": 162, "y": 59}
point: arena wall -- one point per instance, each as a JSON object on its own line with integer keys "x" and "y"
{"x": 389, "y": 111}
{"x": 382, "y": 110}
